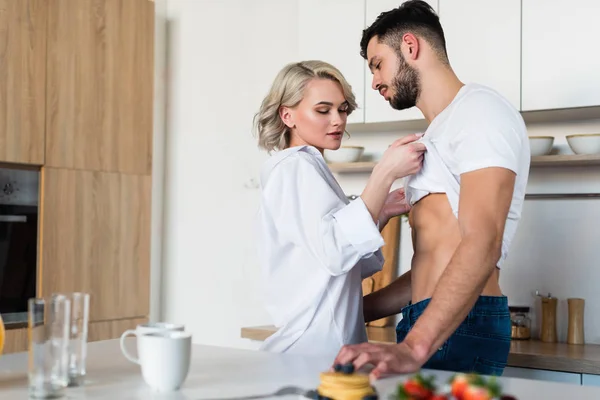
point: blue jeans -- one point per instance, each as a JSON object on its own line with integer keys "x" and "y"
{"x": 480, "y": 344}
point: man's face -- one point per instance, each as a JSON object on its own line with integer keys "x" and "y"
{"x": 393, "y": 78}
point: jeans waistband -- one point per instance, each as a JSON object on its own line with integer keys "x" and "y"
{"x": 485, "y": 305}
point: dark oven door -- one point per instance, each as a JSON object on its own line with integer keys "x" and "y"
{"x": 18, "y": 260}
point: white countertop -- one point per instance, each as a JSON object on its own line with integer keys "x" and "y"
{"x": 218, "y": 372}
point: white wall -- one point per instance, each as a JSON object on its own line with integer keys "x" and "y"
{"x": 218, "y": 72}
{"x": 158, "y": 156}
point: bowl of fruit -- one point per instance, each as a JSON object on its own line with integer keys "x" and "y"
{"x": 459, "y": 387}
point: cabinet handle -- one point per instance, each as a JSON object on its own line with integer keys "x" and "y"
{"x": 13, "y": 218}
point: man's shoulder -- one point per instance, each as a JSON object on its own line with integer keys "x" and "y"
{"x": 483, "y": 108}
{"x": 484, "y": 99}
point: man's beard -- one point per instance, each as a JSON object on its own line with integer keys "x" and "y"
{"x": 406, "y": 86}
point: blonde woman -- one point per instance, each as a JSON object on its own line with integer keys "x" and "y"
{"x": 315, "y": 246}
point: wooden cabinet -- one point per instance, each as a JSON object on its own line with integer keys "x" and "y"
{"x": 22, "y": 80}
{"x": 484, "y": 45}
{"x": 377, "y": 109}
{"x": 330, "y": 30}
{"x": 17, "y": 340}
{"x": 100, "y": 74}
{"x": 96, "y": 238}
{"x": 560, "y": 56}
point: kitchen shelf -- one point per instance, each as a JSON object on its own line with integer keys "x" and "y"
{"x": 560, "y": 160}
{"x": 566, "y": 160}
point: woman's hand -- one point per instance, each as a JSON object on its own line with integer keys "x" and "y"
{"x": 395, "y": 204}
{"x": 403, "y": 157}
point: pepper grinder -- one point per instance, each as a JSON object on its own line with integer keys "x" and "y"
{"x": 575, "y": 333}
{"x": 548, "y": 333}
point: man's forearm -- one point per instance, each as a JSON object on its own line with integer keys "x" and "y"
{"x": 389, "y": 300}
{"x": 455, "y": 294}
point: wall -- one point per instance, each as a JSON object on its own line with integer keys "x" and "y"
{"x": 218, "y": 72}
{"x": 158, "y": 157}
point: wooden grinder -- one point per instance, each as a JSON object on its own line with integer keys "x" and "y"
{"x": 548, "y": 333}
{"x": 575, "y": 333}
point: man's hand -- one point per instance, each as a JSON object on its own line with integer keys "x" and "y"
{"x": 388, "y": 359}
{"x": 395, "y": 204}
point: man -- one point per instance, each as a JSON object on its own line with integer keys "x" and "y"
{"x": 455, "y": 316}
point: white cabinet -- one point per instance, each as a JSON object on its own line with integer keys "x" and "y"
{"x": 561, "y": 60}
{"x": 376, "y": 107}
{"x": 484, "y": 44}
{"x": 590, "y": 380}
{"x": 542, "y": 375}
{"x": 330, "y": 30}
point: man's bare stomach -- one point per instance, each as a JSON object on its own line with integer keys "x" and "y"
{"x": 435, "y": 237}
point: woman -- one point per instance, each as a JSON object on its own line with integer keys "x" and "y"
{"x": 315, "y": 246}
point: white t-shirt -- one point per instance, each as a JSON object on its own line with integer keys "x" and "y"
{"x": 315, "y": 247}
{"x": 478, "y": 129}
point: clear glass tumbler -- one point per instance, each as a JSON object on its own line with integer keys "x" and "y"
{"x": 49, "y": 322}
{"x": 78, "y": 335}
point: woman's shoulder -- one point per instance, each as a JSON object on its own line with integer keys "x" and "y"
{"x": 294, "y": 160}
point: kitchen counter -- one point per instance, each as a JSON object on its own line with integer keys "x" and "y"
{"x": 219, "y": 373}
{"x": 582, "y": 359}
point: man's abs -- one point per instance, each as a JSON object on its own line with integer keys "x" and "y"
{"x": 435, "y": 237}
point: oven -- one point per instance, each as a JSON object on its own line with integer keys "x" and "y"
{"x": 18, "y": 242}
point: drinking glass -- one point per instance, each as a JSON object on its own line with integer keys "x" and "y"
{"x": 78, "y": 334}
{"x": 49, "y": 321}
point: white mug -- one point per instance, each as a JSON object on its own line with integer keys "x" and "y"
{"x": 149, "y": 327}
{"x": 164, "y": 358}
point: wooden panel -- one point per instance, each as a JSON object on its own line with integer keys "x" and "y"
{"x": 104, "y": 330}
{"x": 15, "y": 340}
{"x": 391, "y": 236}
{"x": 100, "y": 85}
{"x": 22, "y": 80}
{"x": 96, "y": 238}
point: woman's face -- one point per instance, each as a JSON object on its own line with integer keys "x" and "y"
{"x": 319, "y": 120}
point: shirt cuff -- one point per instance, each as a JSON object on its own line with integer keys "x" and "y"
{"x": 359, "y": 228}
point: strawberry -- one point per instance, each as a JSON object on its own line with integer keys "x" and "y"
{"x": 477, "y": 393}
{"x": 439, "y": 397}
{"x": 417, "y": 388}
{"x": 459, "y": 383}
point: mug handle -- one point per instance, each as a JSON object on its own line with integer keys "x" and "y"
{"x": 124, "y": 350}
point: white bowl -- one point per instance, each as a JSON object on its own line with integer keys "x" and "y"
{"x": 345, "y": 154}
{"x": 584, "y": 143}
{"x": 540, "y": 145}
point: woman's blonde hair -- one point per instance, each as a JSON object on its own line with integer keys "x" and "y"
{"x": 287, "y": 91}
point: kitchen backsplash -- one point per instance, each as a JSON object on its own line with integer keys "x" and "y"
{"x": 19, "y": 186}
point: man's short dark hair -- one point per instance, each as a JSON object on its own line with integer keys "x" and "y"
{"x": 415, "y": 16}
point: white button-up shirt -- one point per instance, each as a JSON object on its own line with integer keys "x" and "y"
{"x": 315, "y": 247}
